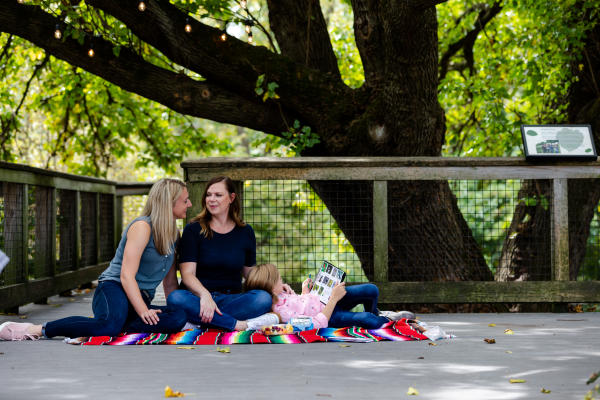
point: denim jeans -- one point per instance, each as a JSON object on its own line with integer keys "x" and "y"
{"x": 114, "y": 314}
{"x": 235, "y": 307}
{"x": 365, "y": 294}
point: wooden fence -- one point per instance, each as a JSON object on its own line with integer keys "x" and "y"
{"x": 59, "y": 230}
{"x": 382, "y": 170}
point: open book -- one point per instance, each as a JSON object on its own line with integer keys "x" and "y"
{"x": 328, "y": 276}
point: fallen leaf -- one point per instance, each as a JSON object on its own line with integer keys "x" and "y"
{"x": 223, "y": 349}
{"x": 421, "y": 358}
{"x": 546, "y": 391}
{"x": 186, "y": 347}
{"x": 578, "y": 308}
{"x": 432, "y": 344}
{"x": 593, "y": 377}
{"x": 344, "y": 345}
{"x": 492, "y": 324}
{"x": 517, "y": 381}
{"x": 170, "y": 393}
{"x": 22, "y": 316}
{"x": 508, "y": 352}
{"x": 71, "y": 300}
{"x": 509, "y": 332}
{"x": 412, "y": 391}
{"x": 56, "y": 305}
{"x": 490, "y": 341}
{"x": 591, "y": 308}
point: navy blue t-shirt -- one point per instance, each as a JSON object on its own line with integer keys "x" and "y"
{"x": 220, "y": 260}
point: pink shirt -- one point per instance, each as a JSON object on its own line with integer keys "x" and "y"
{"x": 294, "y": 305}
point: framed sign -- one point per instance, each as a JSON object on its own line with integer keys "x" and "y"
{"x": 565, "y": 142}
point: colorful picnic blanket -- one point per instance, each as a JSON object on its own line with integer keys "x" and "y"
{"x": 393, "y": 331}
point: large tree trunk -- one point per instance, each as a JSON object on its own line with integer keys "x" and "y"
{"x": 428, "y": 236}
{"x": 526, "y": 251}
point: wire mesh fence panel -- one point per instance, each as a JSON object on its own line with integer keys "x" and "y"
{"x": 66, "y": 222}
{"x": 107, "y": 231}
{"x": 13, "y": 232}
{"x": 295, "y": 231}
{"x": 89, "y": 249}
{"x": 584, "y": 234}
{"x": 42, "y": 264}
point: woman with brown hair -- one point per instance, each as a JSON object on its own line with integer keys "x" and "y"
{"x": 216, "y": 249}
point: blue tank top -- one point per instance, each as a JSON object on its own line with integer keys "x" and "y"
{"x": 153, "y": 265}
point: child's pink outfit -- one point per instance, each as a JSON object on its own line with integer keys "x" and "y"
{"x": 294, "y": 305}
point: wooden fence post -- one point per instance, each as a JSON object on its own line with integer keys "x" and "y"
{"x": 560, "y": 230}
{"x": 380, "y": 231}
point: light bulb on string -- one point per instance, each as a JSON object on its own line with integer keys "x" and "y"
{"x": 57, "y": 32}
{"x": 250, "y": 38}
{"x": 188, "y": 26}
{"x": 142, "y": 6}
{"x": 91, "y": 52}
{"x": 248, "y": 29}
{"x": 223, "y": 36}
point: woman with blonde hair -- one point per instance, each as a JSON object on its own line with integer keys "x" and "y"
{"x": 145, "y": 257}
{"x": 217, "y": 248}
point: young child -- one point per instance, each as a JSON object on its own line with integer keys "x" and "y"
{"x": 335, "y": 314}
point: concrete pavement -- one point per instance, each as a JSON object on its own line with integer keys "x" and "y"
{"x": 557, "y": 352}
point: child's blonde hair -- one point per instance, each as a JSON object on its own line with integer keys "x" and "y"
{"x": 263, "y": 277}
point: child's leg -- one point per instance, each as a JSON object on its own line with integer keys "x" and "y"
{"x": 342, "y": 319}
{"x": 366, "y": 294}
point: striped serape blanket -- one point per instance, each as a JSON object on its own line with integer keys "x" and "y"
{"x": 393, "y": 331}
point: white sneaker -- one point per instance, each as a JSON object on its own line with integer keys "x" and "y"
{"x": 397, "y": 315}
{"x": 262, "y": 320}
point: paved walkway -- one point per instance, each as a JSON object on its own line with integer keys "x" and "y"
{"x": 557, "y": 352}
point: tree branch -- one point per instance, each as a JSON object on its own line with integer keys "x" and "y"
{"x": 134, "y": 74}
{"x": 468, "y": 41}
{"x": 302, "y": 35}
{"x": 232, "y": 64}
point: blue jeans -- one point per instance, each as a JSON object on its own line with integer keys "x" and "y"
{"x": 235, "y": 307}
{"x": 114, "y": 314}
{"x": 365, "y": 294}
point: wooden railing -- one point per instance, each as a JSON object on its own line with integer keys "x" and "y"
{"x": 382, "y": 170}
{"x": 59, "y": 230}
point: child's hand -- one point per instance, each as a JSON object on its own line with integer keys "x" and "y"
{"x": 306, "y": 285}
{"x": 338, "y": 291}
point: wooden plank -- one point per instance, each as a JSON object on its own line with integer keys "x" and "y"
{"x": 25, "y": 231}
{"x": 380, "y": 231}
{"x": 77, "y": 223}
{"x": 23, "y": 293}
{"x": 97, "y": 228}
{"x": 53, "y": 211}
{"x": 58, "y": 182}
{"x": 560, "y": 230}
{"x": 362, "y": 162}
{"x": 489, "y": 292}
{"x": 290, "y": 172}
{"x": 133, "y": 188}
{"x": 44, "y": 235}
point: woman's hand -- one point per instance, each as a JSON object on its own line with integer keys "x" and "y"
{"x": 150, "y": 316}
{"x": 306, "y": 285}
{"x": 338, "y": 291}
{"x": 208, "y": 308}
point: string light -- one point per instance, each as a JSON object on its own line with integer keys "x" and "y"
{"x": 142, "y": 6}
{"x": 91, "y": 52}
{"x": 223, "y": 36}
{"x": 188, "y": 26}
{"x": 248, "y": 29}
{"x": 250, "y": 38}
{"x": 57, "y": 32}
{"x": 20, "y": 1}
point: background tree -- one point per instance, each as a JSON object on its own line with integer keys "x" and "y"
{"x": 297, "y": 86}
